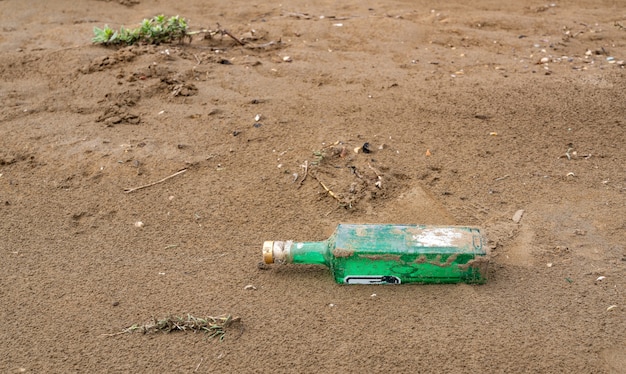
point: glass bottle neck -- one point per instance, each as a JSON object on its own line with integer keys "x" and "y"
{"x": 316, "y": 253}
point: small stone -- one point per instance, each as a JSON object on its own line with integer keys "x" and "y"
{"x": 249, "y": 287}
{"x": 517, "y": 217}
{"x": 366, "y": 148}
{"x": 549, "y": 264}
{"x": 139, "y": 224}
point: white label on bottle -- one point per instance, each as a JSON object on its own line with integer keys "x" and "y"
{"x": 371, "y": 279}
{"x": 438, "y": 237}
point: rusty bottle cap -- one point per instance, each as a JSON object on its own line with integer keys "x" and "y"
{"x": 268, "y": 253}
{"x": 276, "y": 251}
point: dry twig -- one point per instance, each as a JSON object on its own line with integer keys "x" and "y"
{"x": 306, "y": 172}
{"x": 129, "y": 190}
{"x": 226, "y": 32}
{"x": 331, "y": 193}
{"x": 265, "y": 45}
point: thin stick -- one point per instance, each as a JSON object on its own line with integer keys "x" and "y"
{"x": 129, "y": 190}
{"x": 265, "y": 45}
{"x": 501, "y": 178}
{"x": 201, "y": 359}
{"x": 306, "y": 172}
{"x": 378, "y": 175}
{"x": 303, "y": 15}
{"x": 331, "y": 193}
{"x": 226, "y": 32}
{"x": 125, "y": 331}
{"x": 379, "y": 183}
{"x": 223, "y": 31}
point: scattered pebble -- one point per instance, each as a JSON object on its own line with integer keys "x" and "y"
{"x": 549, "y": 264}
{"x": 139, "y": 224}
{"x": 331, "y": 305}
{"x": 611, "y": 307}
{"x": 257, "y": 118}
{"x": 249, "y": 287}
{"x": 287, "y": 59}
{"x": 366, "y": 148}
{"x": 373, "y": 295}
{"x": 517, "y": 217}
{"x": 600, "y": 278}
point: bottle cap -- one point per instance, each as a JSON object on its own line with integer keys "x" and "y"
{"x": 268, "y": 252}
{"x": 277, "y": 251}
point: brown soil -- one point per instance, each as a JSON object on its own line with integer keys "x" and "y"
{"x": 472, "y": 111}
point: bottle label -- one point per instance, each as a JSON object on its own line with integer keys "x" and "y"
{"x": 371, "y": 279}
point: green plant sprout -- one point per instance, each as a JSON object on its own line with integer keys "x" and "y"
{"x": 215, "y": 327}
{"x": 158, "y": 29}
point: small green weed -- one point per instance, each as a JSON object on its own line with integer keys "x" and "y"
{"x": 158, "y": 29}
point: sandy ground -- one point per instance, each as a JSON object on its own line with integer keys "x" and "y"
{"x": 473, "y": 111}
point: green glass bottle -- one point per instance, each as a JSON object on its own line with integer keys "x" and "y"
{"x": 391, "y": 254}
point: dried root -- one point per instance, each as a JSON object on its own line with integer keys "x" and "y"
{"x": 214, "y": 326}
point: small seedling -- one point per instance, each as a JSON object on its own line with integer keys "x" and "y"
{"x": 215, "y": 327}
{"x": 319, "y": 157}
{"x": 158, "y": 29}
